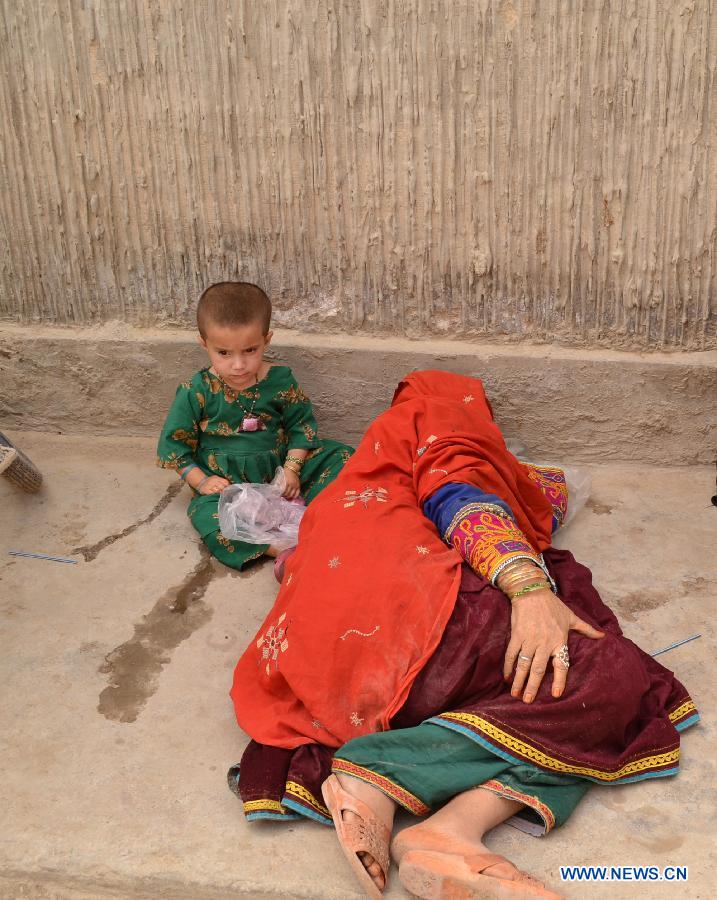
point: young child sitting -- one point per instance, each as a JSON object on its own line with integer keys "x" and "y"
{"x": 240, "y": 418}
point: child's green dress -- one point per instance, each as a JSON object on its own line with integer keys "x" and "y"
{"x": 203, "y": 426}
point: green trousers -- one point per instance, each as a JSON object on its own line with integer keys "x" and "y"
{"x": 424, "y": 767}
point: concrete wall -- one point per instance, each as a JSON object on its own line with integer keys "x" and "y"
{"x": 401, "y": 167}
{"x": 563, "y": 404}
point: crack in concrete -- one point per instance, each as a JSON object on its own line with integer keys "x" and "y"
{"x": 90, "y": 552}
{"x": 134, "y": 666}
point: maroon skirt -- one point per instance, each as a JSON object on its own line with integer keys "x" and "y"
{"x": 618, "y": 720}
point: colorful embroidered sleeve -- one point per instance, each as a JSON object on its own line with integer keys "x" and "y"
{"x": 481, "y": 527}
{"x": 551, "y": 481}
{"x": 299, "y": 421}
{"x": 180, "y": 433}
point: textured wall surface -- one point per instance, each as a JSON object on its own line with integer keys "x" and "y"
{"x": 564, "y": 404}
{"x": 406, "y": 167}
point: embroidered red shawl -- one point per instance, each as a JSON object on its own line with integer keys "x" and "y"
{"x": 367, "y": 595}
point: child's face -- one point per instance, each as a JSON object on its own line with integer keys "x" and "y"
{"x": 236, "y": 352}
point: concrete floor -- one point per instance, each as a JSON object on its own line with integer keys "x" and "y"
{"x": 117, "y": 728}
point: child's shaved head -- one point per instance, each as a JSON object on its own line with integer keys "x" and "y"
{"x": 233, "y": 303}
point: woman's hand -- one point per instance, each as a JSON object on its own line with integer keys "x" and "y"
{"x": 215, "y": 484}
{"x": 539, "y": 626}
{"x": 293, "y": 485}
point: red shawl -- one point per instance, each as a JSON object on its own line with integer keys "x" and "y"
{"x": 367, "y": 595}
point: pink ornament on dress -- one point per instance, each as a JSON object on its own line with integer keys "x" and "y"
{"x": 250, "y": 423}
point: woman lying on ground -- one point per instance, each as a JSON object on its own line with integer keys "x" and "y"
{"x": 423, "y": 637}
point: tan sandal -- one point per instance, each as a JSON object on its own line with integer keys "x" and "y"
{"x": 369, "y": 835}
{"x": 433, "y": 876}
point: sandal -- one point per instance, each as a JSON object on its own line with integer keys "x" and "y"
{"x": 432, "y": 876}
{"x": 369, "y": 835}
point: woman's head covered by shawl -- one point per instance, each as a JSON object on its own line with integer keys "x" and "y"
{"x": 433, "y": 384}
{"x": 459, "y": 441}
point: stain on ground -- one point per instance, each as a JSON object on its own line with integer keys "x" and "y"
{"x": 649, "y": 833}
{"x": 634, "y": 602}
{"x": 695, "y": 585}
{"x": 134, "y": 667}
{"x": 90, "y": 552}
{"x": 666, "y": 844}
{"x": 600, "y": 509}
{"x": 631, "y": 603}
{"x": 610, "y": 800}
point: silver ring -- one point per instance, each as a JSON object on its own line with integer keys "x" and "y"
{"x": 562, "y": 656}
{"x": 527, "y": 658}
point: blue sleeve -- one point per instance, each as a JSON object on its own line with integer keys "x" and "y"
{"x": 450, "y": 499}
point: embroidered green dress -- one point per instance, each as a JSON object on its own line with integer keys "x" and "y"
{"x": 203, "y": 426}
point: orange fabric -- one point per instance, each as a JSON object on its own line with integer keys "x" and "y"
{"x": 367, "y": 595}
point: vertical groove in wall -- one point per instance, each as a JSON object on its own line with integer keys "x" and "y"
{"x": 400, "y": 166}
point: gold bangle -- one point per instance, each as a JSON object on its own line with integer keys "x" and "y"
{"x": 292, "y": 468}
{"x": 529, "y": 588}
{"x": 299, "y": 460}
{"x": 521, "y": 578}
{"x": 519, "y": 566}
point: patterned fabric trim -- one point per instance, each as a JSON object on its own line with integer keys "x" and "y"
{"x": 551, "y": 481}
{"x": 685, "y": 709}
{"x": 468, "y": 510}
{"x": 254, "y": 556}
{"x": 299, "y": 793}
{"x": 687, "y": 723}
{"x": 265, "y": 805}
{"x": 403, "y": 797}
{"x": 472, "y": 724}
{"x": 173, "y": 461}
{"x": 488, "y": 538}
{"x": 306, "y": 813}
{"x": 541, "y": 809}
{"x": 274, "y": 817}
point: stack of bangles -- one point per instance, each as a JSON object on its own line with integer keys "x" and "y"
{"x": 294, "y": 463}
{"x": 520, "y": 578}
{"x": 183, "y": 475}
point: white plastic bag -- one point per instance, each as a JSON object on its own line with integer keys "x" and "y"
{"x": 578, "y": 480}
{"x": 258, "y": 514}
{"x": 579, "y": 484}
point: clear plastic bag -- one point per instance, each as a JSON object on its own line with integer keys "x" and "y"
{"x": 258, "y": 514}
{"x": 579, "y": 485}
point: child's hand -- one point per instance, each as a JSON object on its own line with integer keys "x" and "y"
{"x": 293, "y": 485}
{"x": 215, "y": 484}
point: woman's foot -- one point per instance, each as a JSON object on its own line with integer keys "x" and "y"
{"x": 428, "y": 837}
{"x": 437, "y": 876}
{"x": 433, "y": 837}
{"x": 448, "y": 848}
{"x": 363, "y": 816}
{"x": 458, "y": 827}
